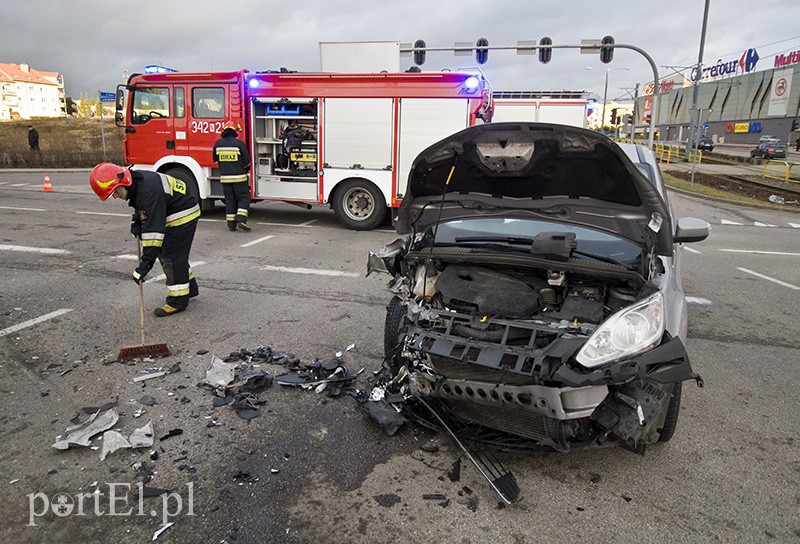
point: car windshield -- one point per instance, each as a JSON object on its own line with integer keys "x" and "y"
{"x": 518, "y": 234}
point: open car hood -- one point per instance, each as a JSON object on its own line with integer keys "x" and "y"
{"x": 535, "y": 171}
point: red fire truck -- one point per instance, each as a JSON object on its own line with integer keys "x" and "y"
{"x": 347, "y": 140}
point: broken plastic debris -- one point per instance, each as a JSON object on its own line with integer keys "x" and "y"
{"x": 147, "y": 400}
{"x": 81, "y": 434}
{"x": 150, "y": 376}
{"x": 775, "y": 199}
{"x": 164, "y": 528}
{"x": 112, "y": 441}
{"x": 386, "y": 416}
{"x": 142, "y": 437}
{"x": 170, "y": 434}
{"x": 220, "y": 373}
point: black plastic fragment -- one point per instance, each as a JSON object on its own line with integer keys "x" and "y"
{"x": 170, "y": 434}
{"x": 153, "y": 491}
{"x": 147, "y": 400}
{"x": 385, "y": 415}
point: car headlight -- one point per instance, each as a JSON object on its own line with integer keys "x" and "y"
{"x": 627, "y": 332}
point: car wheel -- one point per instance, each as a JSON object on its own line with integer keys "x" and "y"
{"x": 395, "y": 323}
{"x": 674, "y": 408}
{"x": 359, "y": 204}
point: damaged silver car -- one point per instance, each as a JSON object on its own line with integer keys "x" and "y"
{"x": 537, "y": 299}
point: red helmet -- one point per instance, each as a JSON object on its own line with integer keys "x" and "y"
{"x": 106, "y": 177}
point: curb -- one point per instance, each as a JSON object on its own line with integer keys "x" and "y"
{"x": 729, "y": 201}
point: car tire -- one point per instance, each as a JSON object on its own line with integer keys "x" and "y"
{"x": 673, "y": 410}
{"x": 394, "y": 324}
{"x": 359, "y": 204}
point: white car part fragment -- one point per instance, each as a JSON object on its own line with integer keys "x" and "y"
{"x": 630, "y": 331}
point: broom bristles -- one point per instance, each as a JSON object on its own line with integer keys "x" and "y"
{"x": 127, "y": 353}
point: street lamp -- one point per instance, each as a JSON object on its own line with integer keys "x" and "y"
{"x": 605, "y": 94}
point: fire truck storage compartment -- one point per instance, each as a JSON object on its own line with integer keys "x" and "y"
{"x": 285, "y": 167}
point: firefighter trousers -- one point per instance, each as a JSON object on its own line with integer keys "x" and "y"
{"x": 174, "y": 258}
{"x": 237, "y": 202}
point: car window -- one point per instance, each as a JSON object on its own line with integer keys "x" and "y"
{"x": 208, "y": 103}
{"x": 589, "y": 240}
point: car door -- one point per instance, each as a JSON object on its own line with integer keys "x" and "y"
{"x": 150, "y": 126}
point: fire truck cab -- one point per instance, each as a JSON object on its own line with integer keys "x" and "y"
{"x": 347, "y": 140}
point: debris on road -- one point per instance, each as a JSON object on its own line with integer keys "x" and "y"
{"x": 146, "y": 377}
{"x": 80, "y": 434}
{"x": 170, "y": 434}
{"x": 142, "y": 437}
{"x": 161, "y": 530}
{"x": 113, "y": 441}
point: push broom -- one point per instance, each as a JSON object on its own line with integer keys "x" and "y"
{"x": 126, "y": 353}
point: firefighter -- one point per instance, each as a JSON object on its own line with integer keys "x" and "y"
{"x": 234, "y": 163}
{"x": 165, "y": 218}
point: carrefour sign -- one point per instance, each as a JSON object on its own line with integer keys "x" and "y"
{"x": 746, "y": 64}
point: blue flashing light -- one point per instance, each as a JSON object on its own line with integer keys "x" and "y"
{"x": 157, "y": 69}
{"x": 472, "y": 82}
{"x": 254, "y": 83}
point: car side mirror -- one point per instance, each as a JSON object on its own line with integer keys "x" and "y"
{"x": 691, "y": 229}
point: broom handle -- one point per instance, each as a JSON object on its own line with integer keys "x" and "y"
{"x": 141, "y": 289}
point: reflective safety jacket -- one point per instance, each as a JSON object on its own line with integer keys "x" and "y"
{"x": 233, "y": 158}
{"x": 159, "y": 202}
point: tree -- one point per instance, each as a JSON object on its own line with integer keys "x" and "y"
{"x": 89, "y": 106}
{"x": 72, "y": 106}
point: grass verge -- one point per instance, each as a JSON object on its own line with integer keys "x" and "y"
{"x": 703, "y": 190}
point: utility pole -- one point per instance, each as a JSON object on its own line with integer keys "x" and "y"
{"x": 605, "y": 97}
{"x": 696, "y": 89}
{"x": 633, "y": 113}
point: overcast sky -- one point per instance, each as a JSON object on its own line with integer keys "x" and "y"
{"x": 91, "y": 42}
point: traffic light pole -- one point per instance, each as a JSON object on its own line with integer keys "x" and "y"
{"x": 695, "y": 90}
{"x": 655, "y": 103}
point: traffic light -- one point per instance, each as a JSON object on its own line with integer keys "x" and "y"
{"x": 607, "y": 53}
{"x": 481, "y": 55}
{"x": 419, "y": 56}
{"x": 545, "y": 53}
{"x": 795, "y": 125}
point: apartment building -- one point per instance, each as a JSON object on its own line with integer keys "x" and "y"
{"x": 26, "y": 93}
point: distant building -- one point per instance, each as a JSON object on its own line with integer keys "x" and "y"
{"x": 27, "y": 93}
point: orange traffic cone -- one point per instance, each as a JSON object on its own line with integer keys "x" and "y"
{"x": 47, "y": 187}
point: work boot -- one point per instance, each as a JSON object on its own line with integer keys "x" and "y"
{"x": 167, "y": 310}
{"x": 231, "y": 226}
{"x": 243, "y": 226}
{"x": 194, "y": 290}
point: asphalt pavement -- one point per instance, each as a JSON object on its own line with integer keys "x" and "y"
{"x": 310, "y": 468}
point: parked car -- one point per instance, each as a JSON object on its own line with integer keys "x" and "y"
{"x": 537, "y": 299}
{"x": 769, "y": 150}
{"x": 768, "y": 139}
{"x": 703, "y": 143}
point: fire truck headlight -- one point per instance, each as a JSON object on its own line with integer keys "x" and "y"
{"x": 254, "y": 83}
{"x": 471, "y": 82}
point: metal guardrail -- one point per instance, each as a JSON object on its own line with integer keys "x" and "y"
{"x": 780, "y": 170}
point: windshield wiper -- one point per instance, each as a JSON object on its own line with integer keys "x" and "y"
{"x": 500, "y": 239}
{"x": 602, "y": 258}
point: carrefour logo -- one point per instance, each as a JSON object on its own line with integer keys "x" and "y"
{"x": 748, "y": 61}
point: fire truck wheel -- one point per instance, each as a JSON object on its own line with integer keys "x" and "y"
{"x": 359, "y": 204}
{"x": 186, "y": 176}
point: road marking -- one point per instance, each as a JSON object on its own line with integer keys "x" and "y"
{"x": 302, "y": 225}
{"x": 308, "y": 223}
{"x": 254, "y": 242}
{"x": 726, "y": 222}
{"x": 18, "y": 184}
{"x": 3, "y": 183}
{"x": 163, "y": 276}
{"x": 23, "y": 209}
{"x": 773, "y": 280}
{"x": 760, "y": 224}
{"x": 128, "y": 257}
{"x": 691, "y": 250}
{"x": 785, "y": 253}
{"x": 212, "y": 220}
{"x": 35, "y": 321}
{"x": 46, "y": 250}
{"x": 698, "y": 301}
{"x": 314, "y": 271}
{"x": 103, "y": 213}
{"x": 795, "y": 225}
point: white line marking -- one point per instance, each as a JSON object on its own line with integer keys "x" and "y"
{"x": 101, "y": 213}
{"x": 308, "y": 223}
{"x": 128, "y": 257}
{"x": 163, "y": 276}
{"x": 212, "y": 220}
{"x": 318, "y": 272}
{"x": 46, "y": 250}
{"x": 691, "y": 250}
{"x": 726, "y": 222}
{"x": 35, "y": 321}
{"x": 760, "y": 224}
{"x": 18, "y": 184}
{"x": 795, "y": 225}
{"x": 23, "y": 209}
{"x": 3, "y": 183}
{"x": 699, "y": 301}
{"x": 254, "y": 242}
{"x": 773, "y": 280}
{"x": 284, "y": 225}
{"x": 761, "y": 252}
